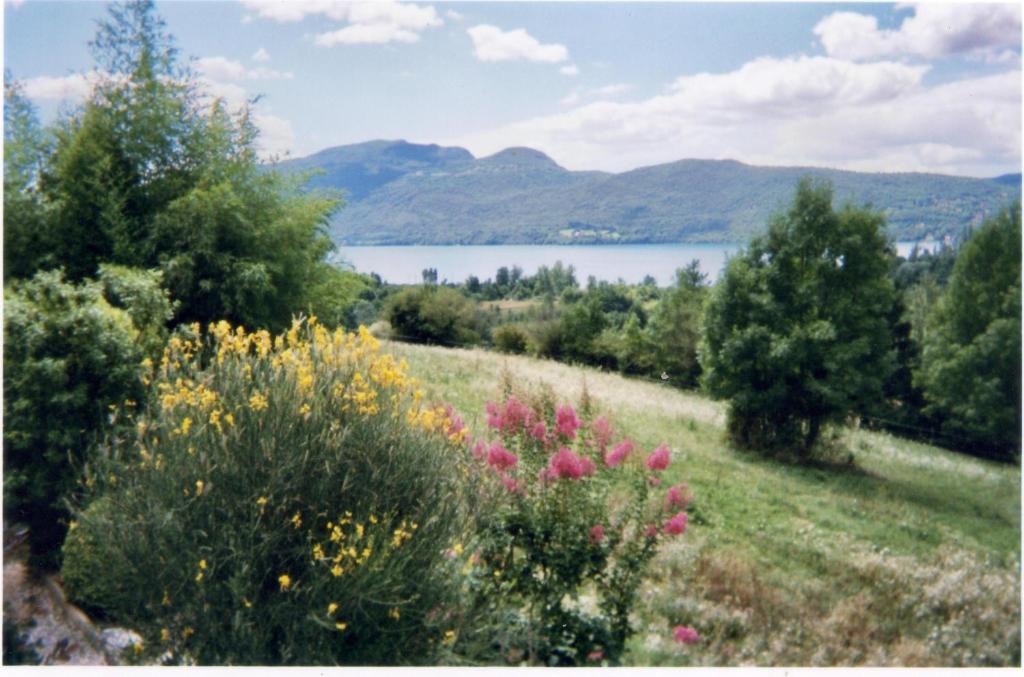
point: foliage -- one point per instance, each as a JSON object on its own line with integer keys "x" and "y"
{"x": 139, "y": 293}
{"x": 293, "y": 493}
{"x": 971, "y": 368}
{"x": 152, "y": 173}
{"x": 568, "y": 525}
{"x": 69, "y": 356}
{"x": 675, "y": 329}
{"x": 796, "y": 331}
{"x": 433, "y": 314}
{"x": 510, "y": 338}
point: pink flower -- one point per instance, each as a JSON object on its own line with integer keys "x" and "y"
{"x": 493, "y": 417}
{"x": 677, "y": 524}
{"x": 564, "y": 463}
{"x": 509, "y": 483}
{"x": 456, "y": 425}
{"x": 587, "y": 466}
{"x": 478, "y": 449}
{"x": 651, "y": 531}
{"x": 516, "y": 415}
{"x": 654, "y": 481}
{"x": 597, "y": 533}
{"x": 685, "y": 634}
{"x": 539, "y": 431}
{"x": 677, "y": 497}
{"x": 566, "y": 422}
{"x": 500, "y": 458}
{"x": 595, "y": 655}
{"x": 619, "y": 453}
{"x": 602, "y": 433}
{"x": 659, "y": 458}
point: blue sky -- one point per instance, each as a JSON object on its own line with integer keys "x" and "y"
{"x": 612, "y": 86}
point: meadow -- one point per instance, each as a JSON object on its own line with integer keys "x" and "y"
{"x": 889, "y": 553}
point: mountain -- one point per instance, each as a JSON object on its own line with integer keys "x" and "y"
{"x": 403, "y": 193}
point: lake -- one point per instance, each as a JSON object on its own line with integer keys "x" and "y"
{"x": 631, "y": 262}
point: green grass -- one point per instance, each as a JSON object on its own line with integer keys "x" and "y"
{"x": 788, "y": 564}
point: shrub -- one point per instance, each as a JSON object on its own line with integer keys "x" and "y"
{"x": 569, "y": 525}
{"x": 432, "y": 314}
{"x": 292, "y": 496}
{"x": 68, "y": 357}
{"x": 511, "y": 338}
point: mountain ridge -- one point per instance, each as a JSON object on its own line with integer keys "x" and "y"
{"x": 404, "y": 193}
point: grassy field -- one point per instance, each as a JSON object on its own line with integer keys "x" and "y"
{"x": 909, "y": 555}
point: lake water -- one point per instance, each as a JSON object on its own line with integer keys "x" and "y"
{"x": 630, "y": 262}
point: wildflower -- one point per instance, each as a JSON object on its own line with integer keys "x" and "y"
{"x": 261, "y": 502}
{"x": 651, "y": 531}
{"x": 331, "y": 608}
{"x": 619, "y": 453}
{"x": 318, "y": 552}
{"x": 296, "y": 520}
{"x": 685, "y": 634}
{"x": 659, "y": 458}
{"x": 565, "y": 463}
{"x": 229, "y": 418}
{"x": 336, "y": 570}
{"x": 602, "y": 430}
{"x": 394, "y": 614}
{"x": 676, "y": 497}
{"x": 457, "y": 549}
{"x": 188, "y": 632}
{"x": 247, "y": 603}
{"x": 285, "y": 580}
{"x": 258, "y": 402}
{"x": 478, "y": 449}
{"x": 165, "y": 635}
{"x": 509, "y": 483}
{"x": 199, "y": 488}
{"x": 587, "y": 466}
{"x": 186, "y": 425}
{"x": 566, "y": 422}
{"x": 202, "y": 564}
{"x": 539, "y": 431}
{"x": 304, "y": 409}
{"x": 341, "y": 626}
{"x": 595, "y": 655}
{"x": 449, "y": 637}
{"x": 676, "y": 525}
{"x": 597, "y": 533}
{"x": 500, "y": 458}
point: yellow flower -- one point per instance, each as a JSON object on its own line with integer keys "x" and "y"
{"x": 247, "y": 603}
{"x": 165, "y": 634}
{"x": 394, "y": 614}
{"x": 258, "y": 402}
{"x": 261, "y": 502}
{"x": 331, "y": 608}
{"x": 336, "y": 570}
{"x": 187, "y": 632}
{"x": 296, "y": 520}
{"x": 202, "y": 564}
{"x": 341, "y": 626}
{"x": 304, "y": 409}
{"x": 199, "y": 487}
{"x": 285, "y": 580}
{"x": 318, "y": 551}
{"x": 199, "y": 577}
{"x": 229, "y": 418}
{"x": 449, "y": 637}
{"x": 457, "y": 549}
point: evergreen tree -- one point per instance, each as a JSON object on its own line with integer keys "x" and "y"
{"x": 796, "y": 331}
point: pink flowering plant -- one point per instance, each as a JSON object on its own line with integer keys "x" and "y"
{"x": 574, "y": 515}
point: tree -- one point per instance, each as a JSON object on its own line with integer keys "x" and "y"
{"x": 676, "y": 327}
{"x": 796, "y": 331}
{"x": 971, "y": 365}
{"x": 152, "y": 173}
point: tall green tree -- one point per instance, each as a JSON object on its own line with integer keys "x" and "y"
{"x": 971, "y": 365}
{"x": 151, "y": 172}
{"x": 796, "y": 331}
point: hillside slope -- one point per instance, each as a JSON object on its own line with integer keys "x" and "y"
{"x": 403, "y": 193}
{"x": 908, "y": 557}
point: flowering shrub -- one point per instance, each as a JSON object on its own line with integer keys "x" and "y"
{"x": 572, "y": 523}
{"x": 282, "y": 501}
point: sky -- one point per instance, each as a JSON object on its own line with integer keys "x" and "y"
{"x": 609, "y": 86}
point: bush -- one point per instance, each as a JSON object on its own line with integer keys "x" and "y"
{"x": 432, "y": 314}
{"x": 69, "y": 356}
{"x": 292, "y": 496}
{"x": 569, "y": 525}
{"x": 511, "y": 338}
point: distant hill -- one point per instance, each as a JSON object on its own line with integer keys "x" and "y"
{"x": 402, "y": 193}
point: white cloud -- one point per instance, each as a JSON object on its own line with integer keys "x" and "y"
{"x": 73, "y": 87}
{"x": 454, "y": 16}
{"x": 571, "y": 70}
{"x": 797, "y": 111}
{"x": 277, "y": 137}
{"x": 378, "y": 22}
{"x": 935, "y": 30}
{"x": 221, "y": 68}
{"x": 490, "y": 43}
{"x": 261, "y": 55}
{"x": 366, "y": 34}
{"x": 610, "y": 91}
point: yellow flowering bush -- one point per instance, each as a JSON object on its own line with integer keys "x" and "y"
{"x": 282, "y": 500}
